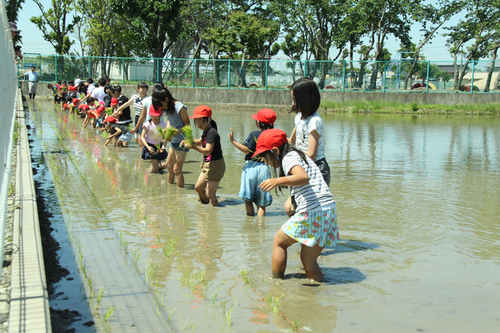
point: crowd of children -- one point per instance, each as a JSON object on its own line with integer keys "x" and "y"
{"x": 163, "y": 131}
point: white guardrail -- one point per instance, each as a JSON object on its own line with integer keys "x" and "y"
{"x": 8, "y": 94}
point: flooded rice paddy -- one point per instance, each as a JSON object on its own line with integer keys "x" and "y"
{"x": 419, "y": 218}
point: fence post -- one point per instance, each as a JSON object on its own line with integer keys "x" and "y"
{"x": 123, "y": 71}
{"x": 194, "y": 67}
{"x": 229, "y": 75}
{"x": 158, "y": 73}
{"x": 90, "y": 66}
{"x": 428, "y": 70}
{"x": 343, "y": 76}
{"x": 472, "y": 77}
{"x": 267, "y": 66}
{"x": 56, "y": 66}
{"x": 305, "y": 68}
{"x": 385, "y": 75}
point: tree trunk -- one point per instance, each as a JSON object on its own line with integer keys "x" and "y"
{"x": 490, "y": 71}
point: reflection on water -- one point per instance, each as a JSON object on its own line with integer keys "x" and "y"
{"x": 418, "y": 213}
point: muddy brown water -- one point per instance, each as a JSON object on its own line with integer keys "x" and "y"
{"x": 418, "y": 209}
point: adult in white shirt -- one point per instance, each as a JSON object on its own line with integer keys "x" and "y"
{"x": 33, "y": 78}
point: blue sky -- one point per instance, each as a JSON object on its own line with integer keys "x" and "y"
{"x": 33, "y": 41}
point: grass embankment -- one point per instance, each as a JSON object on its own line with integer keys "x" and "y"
{"x": 491, "y": 109}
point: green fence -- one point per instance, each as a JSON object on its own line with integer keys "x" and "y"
{"x": 389, "y": 76}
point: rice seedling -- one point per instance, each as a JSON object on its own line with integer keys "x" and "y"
{"x": 108, "y": 313}
{"x": 98, "y": 299}
{"x": 272, "y": 301}
{"x": 186, "y": 325}
{"x": 188, "y": 134}
{"x": 191, "y": 278}
{"x": 170, "y": 315}
{"x": 149, "y": 274}
{"x": 295, "y": 324}
{"x": 245, "y": 277}
{"x": 227, "y": 314}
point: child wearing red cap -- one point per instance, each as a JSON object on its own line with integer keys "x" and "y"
{"x": 213, "y": 166}
{"x": 113, "y": 130}
{"x": 314, "y": 223}
{"x": 153, "y": 146}
{"x": 255, "y": 170}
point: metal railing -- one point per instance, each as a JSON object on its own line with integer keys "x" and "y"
{"x": 384, "y": 76}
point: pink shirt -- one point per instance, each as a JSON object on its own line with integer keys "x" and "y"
{"x": 153, "y": 135}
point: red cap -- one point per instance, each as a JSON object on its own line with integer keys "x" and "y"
{"x": 84, "y": 107}
{"x": 114, "y": 101}
{"x": 155, "y": 112}
{"x": 75, "y": 101}
{"x": 110, "y": 119}
{"x": 202, "y": 111}
{"x": 269, "y": 139}
{"x": 65, "y": 105}
{"x": 100, "y": 109}
{"x": 266, "y": 116}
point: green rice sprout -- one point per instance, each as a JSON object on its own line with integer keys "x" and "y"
{"x": 272, "y": 301}
{"x": 245, "y": 277}
{"x": 108, "y": 313}
{"x": 227, "y": 314}
{"x": 109, "y": 111}
{"x": 188, "y": 134}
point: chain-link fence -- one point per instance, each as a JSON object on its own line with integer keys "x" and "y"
{"x": 387, "y": 76}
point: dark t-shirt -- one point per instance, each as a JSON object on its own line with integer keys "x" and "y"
{"x": 251, "y": 143}
{"x": 107, "y": 101}
{"x": 125, "y": 116}
{"x": 211, "y": 135}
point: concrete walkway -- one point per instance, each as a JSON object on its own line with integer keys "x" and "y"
{"x": 29, "y": 304}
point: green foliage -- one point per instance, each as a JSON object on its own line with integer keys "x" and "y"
{"x": 52, "y": 24}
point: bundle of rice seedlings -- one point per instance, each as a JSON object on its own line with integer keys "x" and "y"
{"x": 109, "y": 111}
{"x": 104, "y": 134}
{"x": 188, "y": 134}
{"x": 169, "y": 133}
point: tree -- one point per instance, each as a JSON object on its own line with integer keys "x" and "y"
{"x": 244, "y": 36}
{"x": 54, "y": 25}
{"x": 390, "y": 17}
{"x": 12, "y": 7}
{"x": 319, "y": 24}
{"x": 158, "y": 23}
{"x": 433, "y": 70}
{"x": 435, "y": 15}
{"x": 473, "y": 37}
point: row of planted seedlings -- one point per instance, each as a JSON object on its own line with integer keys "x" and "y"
{"x": 94, "y": 293}
{"x": 132, "y": 254}
{"x": 192, "y": 279}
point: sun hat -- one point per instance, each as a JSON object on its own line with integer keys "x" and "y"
{"x": 266, "y": 116}
{"x": 114, "y": 101}
{"x": 110, "y": 119}
{"x": 13, "y": 27}
{"x": 154, "y": 112}
{"x": 202, "y": 111}
{"x": 75, "y": 101}
{"x": 101, "y": 102}
{"x": 269, "y": 139}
